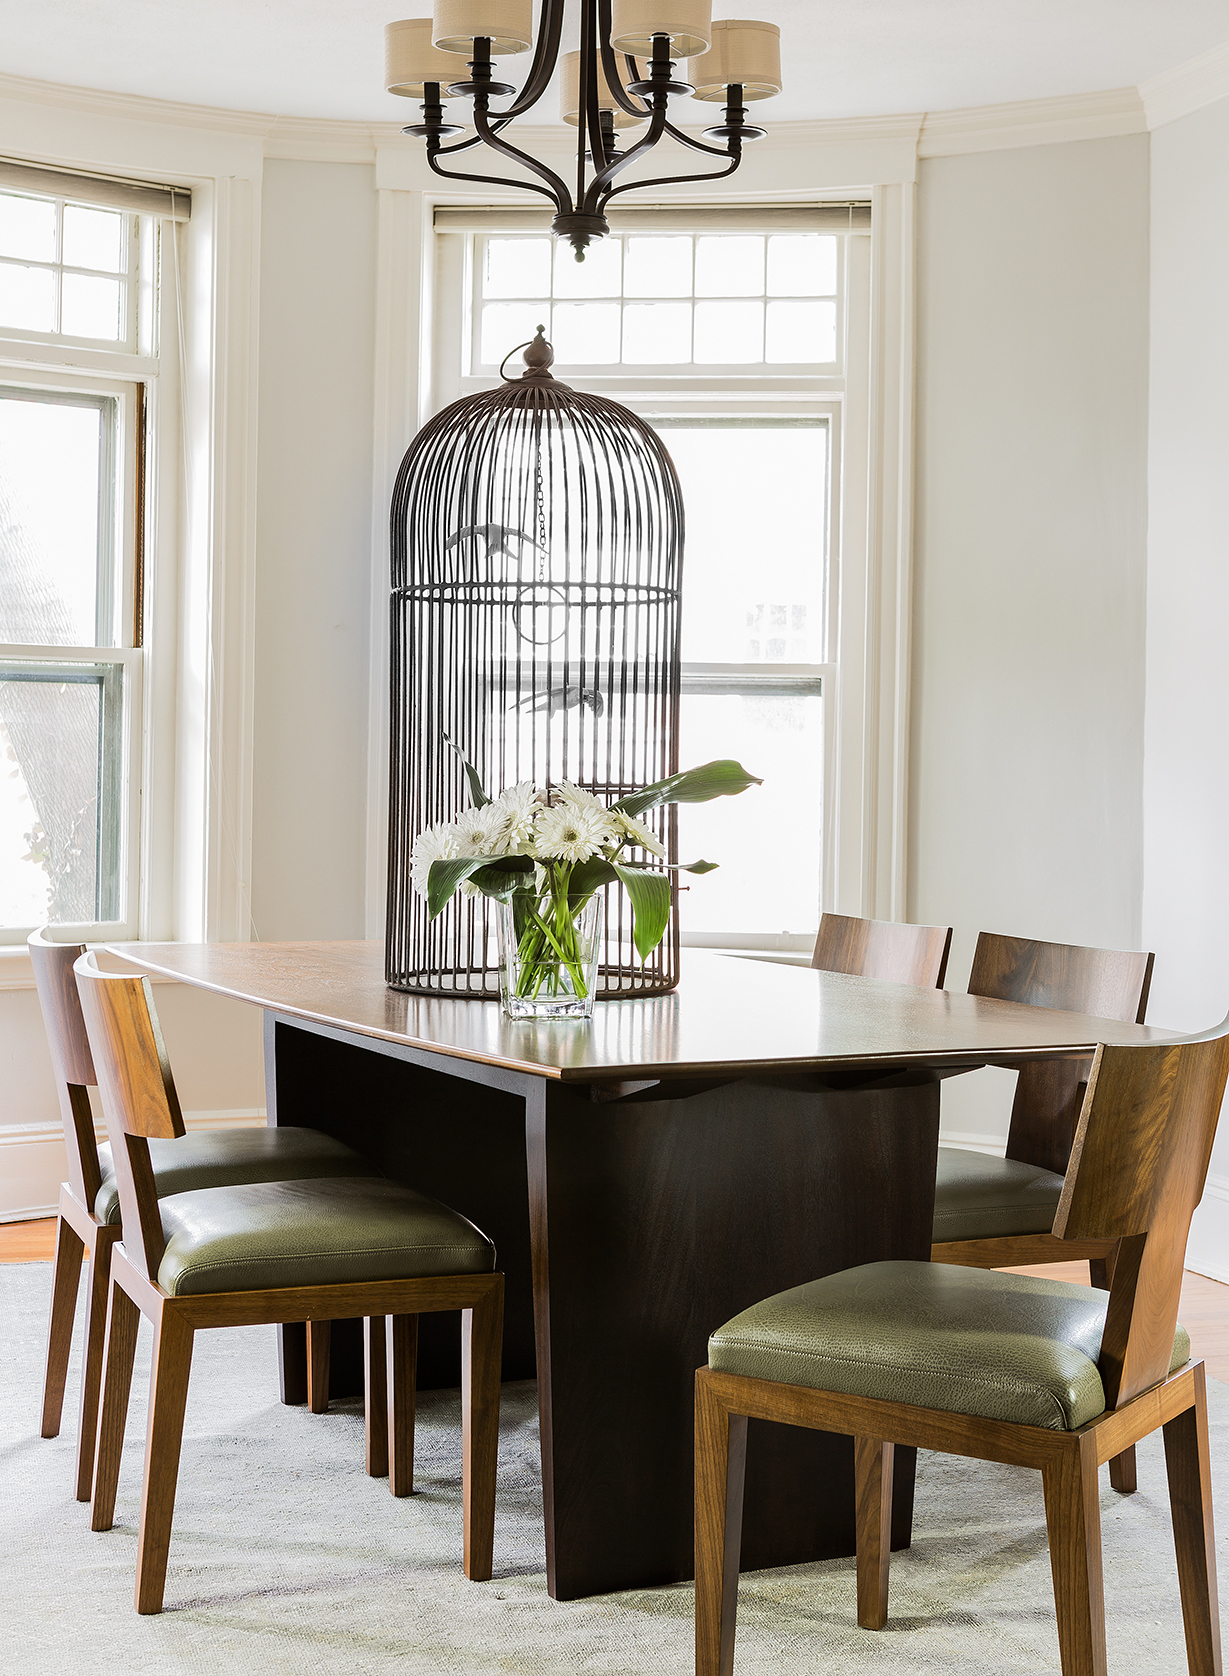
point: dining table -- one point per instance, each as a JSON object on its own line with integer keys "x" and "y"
{"x": 645, "y": 1174}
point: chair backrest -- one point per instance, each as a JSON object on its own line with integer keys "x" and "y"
{"x": 1137, "y": 1171}
{"x": 879, "y": 948}
{"x": 1106, "y": 983}
{"x": 137, "y": 1092}
{"x": 70, "y": 1057}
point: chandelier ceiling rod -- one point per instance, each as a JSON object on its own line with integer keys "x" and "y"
{"x": 624, "y": 73}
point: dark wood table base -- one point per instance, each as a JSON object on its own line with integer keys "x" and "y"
{"x": 628, "y": 1230}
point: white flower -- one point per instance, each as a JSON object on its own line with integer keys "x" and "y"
{"x": 434, "y": 843}
{"x": 518, "y": 808}
{"x": 478, "y": 830}
{"x": 632, "y": 832}
{"x": 572, "y": 832}
{"x": 576, "y": 798}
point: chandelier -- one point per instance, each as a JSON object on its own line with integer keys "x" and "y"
{"x": 623, "y": 77}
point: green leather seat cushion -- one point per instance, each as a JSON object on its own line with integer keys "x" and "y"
{"x": 225, "y": 1157}
{"x": 312, "y": 1233}
{"x": 966, "y": 1341}
{"x": 978, "y": 1197}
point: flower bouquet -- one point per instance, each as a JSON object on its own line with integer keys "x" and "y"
{"x": 544, "y": 857}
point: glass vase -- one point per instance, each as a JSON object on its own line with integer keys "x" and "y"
{"x": 548, "y": 954}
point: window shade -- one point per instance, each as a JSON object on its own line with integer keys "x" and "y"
{"x": 174, "y": 202}
{"x": 709, "y": 218}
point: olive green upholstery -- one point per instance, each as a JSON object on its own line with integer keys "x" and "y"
{"x": 312, "y": 1233}
{"x": 965, "y": 1341}
{"x": 978, "y": 1197}
{"x": 226, "y": 1157}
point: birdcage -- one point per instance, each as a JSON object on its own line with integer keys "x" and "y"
{"x": 537, "y": 545}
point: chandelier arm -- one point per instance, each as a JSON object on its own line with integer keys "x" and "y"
{"x": 673, "y": 180}
{"x": 491, "y": 180}
{"x": 598, "y": 185}
{"x": 624, "y": 100}
{"x": 589, "y": 123}
{"x": 545, "y": 57}
{"x": 489, "y": 134}
{"x": 696, "y": 145}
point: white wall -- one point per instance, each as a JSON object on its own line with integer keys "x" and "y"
{"x": 1028, "y": 650}
{"x": 1186, "y": 750}
{"x": 314, "y": 510}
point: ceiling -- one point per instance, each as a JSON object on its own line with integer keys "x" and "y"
{"x": 314, "y": 58}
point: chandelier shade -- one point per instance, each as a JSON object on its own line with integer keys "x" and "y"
{"x": 743, "y": 54}
{"x": 506, "y": 26}
{"x": 411, "y": 62}
{"x": 635, "y": 23}
{"x": 570, "y": 101}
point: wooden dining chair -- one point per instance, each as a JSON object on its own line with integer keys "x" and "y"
{"x": 879, "y": 948}
{"x": 88, "y": 1216}
{"x": 1000, "y": 1367}
{"x": 315, "y": 1250}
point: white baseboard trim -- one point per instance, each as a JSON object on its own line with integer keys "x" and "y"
{"x": 29, "y": 1213}
{"x": 992, "y": 1144}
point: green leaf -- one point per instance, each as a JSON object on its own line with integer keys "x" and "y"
{"x": 506, "y": 874}
{"x": 494, "y": 876}
{"x": 471, "y": 774}
{"x": 695, "y": 785}
{"x": 588, "y": 876}
{"x": 650, "y": 895}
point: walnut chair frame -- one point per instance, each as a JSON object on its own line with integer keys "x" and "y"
{"x": 883, "y": 949}
{"x": 1138, "y": 1168}
{"x": 133, "y": 1079}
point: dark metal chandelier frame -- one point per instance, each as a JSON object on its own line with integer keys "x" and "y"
{"x": 580, "y": 215}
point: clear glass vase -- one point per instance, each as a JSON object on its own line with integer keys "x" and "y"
{"x": 548, "y": 954}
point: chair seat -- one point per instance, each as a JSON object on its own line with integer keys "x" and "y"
{"x": 228, "y": 1157}
{"x": 978, "y": 1197}
{"x": 312, "y": 1233}
{"x": 966, "y": 1341}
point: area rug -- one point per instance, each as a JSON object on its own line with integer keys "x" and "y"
{"x": 286, "y": 1560}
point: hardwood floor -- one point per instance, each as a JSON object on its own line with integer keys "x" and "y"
{"x": 1205, "y": 1303}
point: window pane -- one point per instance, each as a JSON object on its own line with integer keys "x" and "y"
{"x": 504, "y": 325}
{"x": 729, "y": 266}
{"x": 27, "y": 227}
{"x": 586, "y": 334}
{"x": 59, "y": 783}
{"x": 93, "y": 238}
{"x": 729, "y": 332}
{"x": 767, "y": 842}
{"x": 801, "y": 265}
{"x": 597, "y": 276}
{"x": 90, "y": 308}
{"x": 754, "y": 571}
{"x": 801, "y": 331}
{"x": 27, "y": 298}
{"x": 657, "y": 268}
{"x": 657, "y": 334}
{"x": 518, "y": 268}
{"x": 50, "y": 524}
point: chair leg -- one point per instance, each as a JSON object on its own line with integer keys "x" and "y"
{"x": 1122, "y": 1467}
{"x": 482, "y": 1339}
{"x": 721, "y": 1458}
{"x": 319, "y": 1340}
{"x": 168, "y": 1396}
{"x": 65, "y": 1276}
{"x": 91, "y": 1360}
{"x": 119, "y": 1350}
{"x": 401, "y": 1349}
{"x": 873, "y": 1485}
{"x": 1190, "y": 1500}
{"x": 375, "y": 1405}
{"x": 1073, "y": 1521}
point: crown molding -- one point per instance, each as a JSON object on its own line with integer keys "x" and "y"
{"x": 1030, "y": 122}
{"x": 1187, "y": 87}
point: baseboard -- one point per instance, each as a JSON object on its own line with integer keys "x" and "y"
{"x": 992, "y": 1144}
{"x": 29, "y": 1213}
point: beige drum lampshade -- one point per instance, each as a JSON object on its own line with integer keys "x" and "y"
{"x": 569, "y": 94}
{"x": 507, "y": 24}
{"x": 410, "y": 59}
{"x": 633, "y": 24}
{"x": 743, "y": 53}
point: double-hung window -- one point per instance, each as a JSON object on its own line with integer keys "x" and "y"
{"x": 727, "y": 331}
{"x": 79, "y": 358}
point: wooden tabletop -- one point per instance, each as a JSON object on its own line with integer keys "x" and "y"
{"x": 727, "y": 1015}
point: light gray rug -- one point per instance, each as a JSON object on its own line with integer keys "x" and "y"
{"x": 286, "y": 1560}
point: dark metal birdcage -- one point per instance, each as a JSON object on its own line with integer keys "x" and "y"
{"x": 537, "y": 548}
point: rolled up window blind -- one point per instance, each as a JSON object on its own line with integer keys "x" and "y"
{"x": 167, "y": 202}
{"x": 672, "y": 218}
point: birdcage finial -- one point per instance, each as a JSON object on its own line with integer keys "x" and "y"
{"x": 538, "y": 357}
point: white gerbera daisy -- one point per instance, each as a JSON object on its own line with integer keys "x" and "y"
{"x": 633, "y": 832}
{"x": 518, "y": 808}
{"x": 478, "y": 830}
{"x": 573, "y": 833}
{"x": 434, "y": 843}
{"x": 577, "y": 798}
